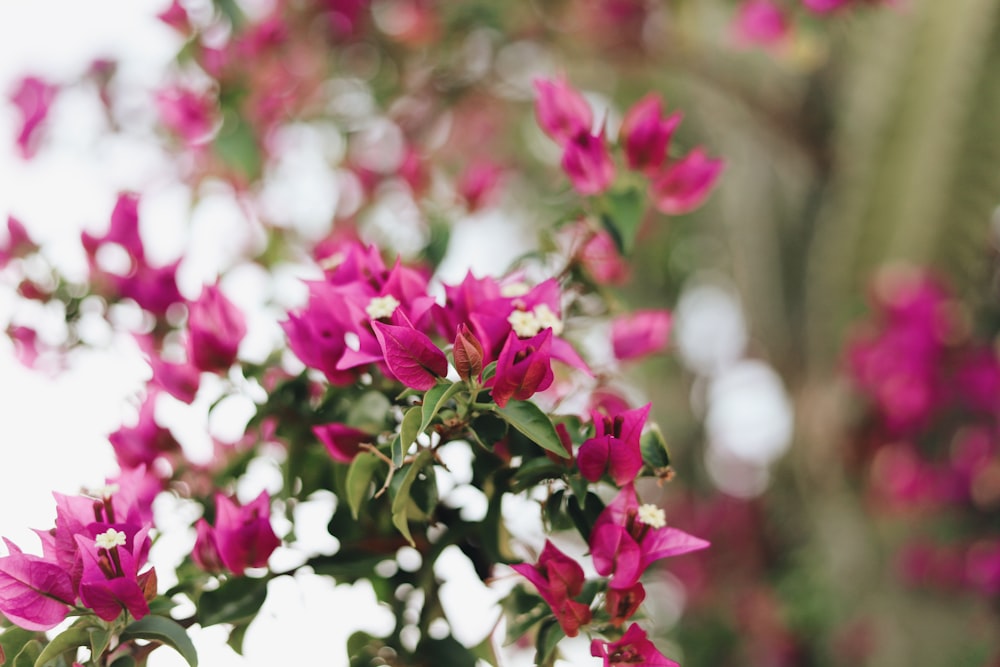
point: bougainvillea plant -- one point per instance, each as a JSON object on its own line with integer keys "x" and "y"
{"x": 385, "y": 373}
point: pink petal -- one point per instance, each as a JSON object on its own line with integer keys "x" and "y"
{"x": 411, "y": 356}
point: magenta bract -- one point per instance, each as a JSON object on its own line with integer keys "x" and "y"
{"x": 558, "y": 579}
{"x": 411, "y": 356}
{"x": 646, "y": 133}
{"x": 342, "y": 441}
{"x": 614, "y": 447}
{"x": 243, "y": 535}
{"x": 215, "y": 328}
{"x": 640, "y": 333}
{"x": 523, "y": 367}
{"x": 634, "y": 648}
{"x": 588, "y": 164}
{"x": 561, "y": 110}
{"x": 34, "y": 593}
{"x": 684, "y": 185}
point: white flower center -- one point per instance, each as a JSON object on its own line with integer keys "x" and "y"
{"x": 382, "y": 306}
{"x": 110, "y": 538}
{"x": 104, "y": 492}
{"x": 652, "y": 516}
{"x": 524, "y": 324}
{"x": 513, "y": 290}
{"x": 546, "y": 319}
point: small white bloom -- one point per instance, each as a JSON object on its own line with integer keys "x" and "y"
{"x": 104, "y": 492}
{"x": 110, "y": 538}
{"x": 382, "y": 306}
{"x": 546, "y": 319}
{"x": 652, "y": 516}
{"x": 525, "y": 324}
{"x": 513, "y": 290}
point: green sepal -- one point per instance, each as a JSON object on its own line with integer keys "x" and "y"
{"x": 549, "y": 636}
{"x": 236, "y": 637}
{"x": 359, "y": 479}
{"x": 165, "y": 631}
{"x": 100, "y": 638}
{"x": 534, "y": 424}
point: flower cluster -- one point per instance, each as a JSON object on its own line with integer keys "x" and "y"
{"x": 676, "y": 186}
{"x": 930, "y": 445}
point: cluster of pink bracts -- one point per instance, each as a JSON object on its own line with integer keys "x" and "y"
{"x": 675, "y": 186}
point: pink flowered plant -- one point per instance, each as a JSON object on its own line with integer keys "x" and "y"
{"x": 634, "y": 648}
{"x": 215, "y": 328}
{"x": 761, "y": 22}
{"x": 32, "y": 97}
{"x": 241, "y": 538}
{"x": 683, "y": 186}
{"x": 614, "y": 448}
{"x": 640, "y": 333}
{"x": 558, "y": 579}
{"x": 561, "y": 110}
{"x": 646, "y": 133}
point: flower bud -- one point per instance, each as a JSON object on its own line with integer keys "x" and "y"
{"x": 468, "y": 353}
{"x": 646, "y": 134}
{"x": 562, "y": 111}
{"x": 215, "y": 328}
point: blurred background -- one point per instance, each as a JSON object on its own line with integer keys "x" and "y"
{"x": 832, "y": 389}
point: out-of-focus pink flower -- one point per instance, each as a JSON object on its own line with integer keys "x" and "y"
{"x": 640, "y": 333}
{"x": 634, "y": 648}
{"x": 982, "y": 567}
{"x": 342, "y": 441}
{"x": 478, "y": 185}
{"x": 188, "y": 114}
{"x": 205, "y": 553}
{"x": 561, "y": 110}
{"x": 145, "y": 442}
{"x": 646, "y": 133}
{"x": 123, "y": 229}
{"x": 346, "y": 16}
{"x": 760, "y": 22}
{"x": 558, "y": 579}
{"x": 176, "y": 17}
{"x": 628, "y": 537}
{"x": 35, "y": 594}
{"x": 25, "y": 341}
{"x": 523, "y": 367}
{"x": 614, "y": 447}
{"x": 19, "y": 243}
{"x": 215, "y": 328}
{"x": 32, "y": 97}
{"x": 242, "y": 536}
{"x": 684, "y": 185}
{"x": 588, "y": 163}
{"x": 411, "y": 355}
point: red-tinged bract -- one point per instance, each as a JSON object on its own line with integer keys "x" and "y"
{"x": 523, "y": 367}
{"x": 215, "y": 328}
{"x": 558, "y": 579}
{"x": 684, "y": 185}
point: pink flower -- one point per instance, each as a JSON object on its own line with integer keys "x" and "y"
{"x": 410, "y": 355}
{"x": 561, "y": 110}
{"x": 684, "y": 185}
{"x": 242, "y": 536}
{"x": 634, "y": 648}
{"x": 588, "y": 164}
{"x": 614, "y": 447}
{"x": 342, "y": 441}
{"x": 558, "y": 579}
{"x": 145, "y": 442}
{"x": 478, "y": 185}
{"x": 215, "y": 328}
{"x": 187, "y": 114}
{"x": 18, "y": 243}
{"x": 176, "y": 17}
{"x": 640, "y": 333}
{"x": 760, "y": 22}
{"x": 111, "y": 581}
{"x": 628, "y": 537}
{"x": 646, "y": 133}
{"x": 35, "y": 594}
{"x": 33, "y": 97}
{"x": 622, "y": 604}
{"x": 523, "y": 367}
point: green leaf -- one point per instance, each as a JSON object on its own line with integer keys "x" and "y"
{"x": 359, "y": 479}
{"x": 584, "y": 515}
{"x": 548, "y": 639}
{"x": 654, "y": 448}
{"x": 447, "y": 651}
{"x": 237, "y": 147}
{"x": 623, "y": 217}
{"x": 409, "y": 429}
{"x": 402, "y": 499}
{"x": 30, "y": 654}
{"x": 434, "y": 400}
{"x": 489, "y": 429}
{"x": 124, "y": 661}
{"x": 236, "y": 636}
{"x": 13, "y": 639}
{"x": 529, "y": 419}
{"x": 534, "y": 471}
{"x": 71, "y": 638}
{"x": 397, "y": 451}
{"x": 165, "y": 631}
{"x": 99, "y": 640}
{"x": 367, "y": 412}
{"x": 239, "y": 599}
